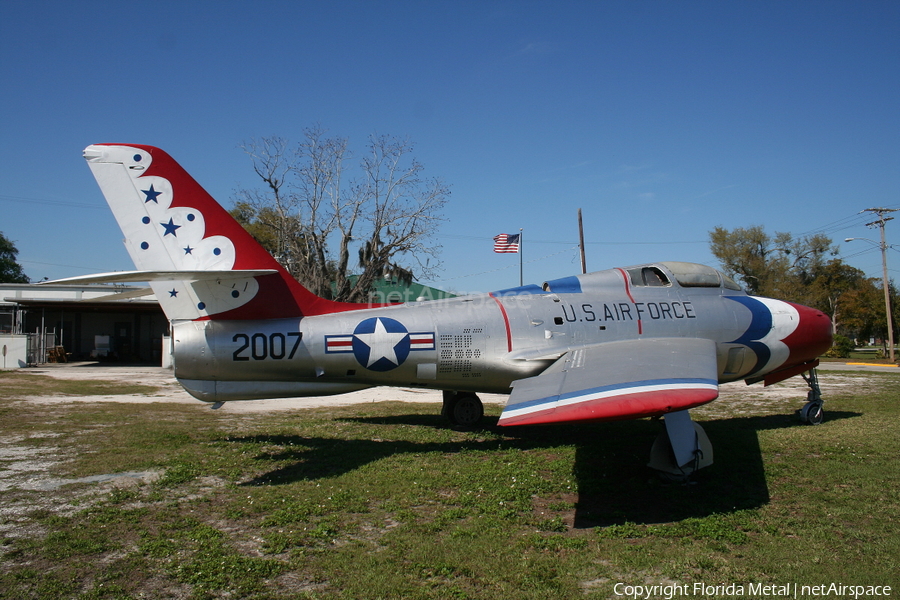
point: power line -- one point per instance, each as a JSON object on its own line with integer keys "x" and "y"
{"x": 26, "y": 200}
{"x": 844, "y": 223}
{"x": 36, "y": 262}
{"x": 527, "y": 262}
{"x": 570, "y": 242}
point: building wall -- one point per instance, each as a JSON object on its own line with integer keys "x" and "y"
{"x": 14, "y": 354}
{"x": 133, "y": 336}
{"x": 76, "y": 314}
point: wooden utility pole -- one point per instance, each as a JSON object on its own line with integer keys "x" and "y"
{"x": 884, "y": 276}
{"x": 581, "y": 242}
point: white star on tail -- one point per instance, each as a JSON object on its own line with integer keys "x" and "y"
{"x": 381, "y": 343}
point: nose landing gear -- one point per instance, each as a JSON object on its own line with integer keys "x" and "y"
{"x": 812, "y": 412}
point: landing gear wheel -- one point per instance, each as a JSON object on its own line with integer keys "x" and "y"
{"x": 812, "y": 413}
{"x": 463, "y": 409}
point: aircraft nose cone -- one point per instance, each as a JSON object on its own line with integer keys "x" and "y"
{"x": 812, "y": 338}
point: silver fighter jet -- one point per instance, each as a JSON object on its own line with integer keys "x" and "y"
{"x": 644, "y": 341}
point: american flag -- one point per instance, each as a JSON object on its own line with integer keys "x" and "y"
{"x": 506, "y": 243}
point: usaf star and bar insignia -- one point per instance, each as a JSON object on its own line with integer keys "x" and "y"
{"x": 379, "y": 343}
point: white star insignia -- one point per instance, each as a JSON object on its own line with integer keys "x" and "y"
{"x": 381, "y": 343}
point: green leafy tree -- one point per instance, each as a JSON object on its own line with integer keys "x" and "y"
{"x": 841, "y": 291}
{"x": 873, "y": 321}
{"x": 745, "y": 255}
{"x": 264, "y": 225}
{"x": 803, "y": 270}
{"x": 778, "y": 267}
{"x": 10, "y": 270}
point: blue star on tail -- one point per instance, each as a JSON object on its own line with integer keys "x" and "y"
{"x": 170, "y": 227}
{"x": 151, "y": 194}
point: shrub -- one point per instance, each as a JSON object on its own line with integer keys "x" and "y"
{"x": 841, "y": 347}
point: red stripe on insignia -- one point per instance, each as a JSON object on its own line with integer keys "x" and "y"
{"x": 421, "y": 341}
{"x": 339, "y": 344}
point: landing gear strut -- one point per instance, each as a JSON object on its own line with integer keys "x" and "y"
{"x": 463, "y": 409}
{"x": 681, "y": 448}
{"x": 812, "y": 412}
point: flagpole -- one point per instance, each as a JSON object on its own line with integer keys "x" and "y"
{"x": 521, "y": 251}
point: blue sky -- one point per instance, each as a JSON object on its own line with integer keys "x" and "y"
{"x": 660, "y": 120}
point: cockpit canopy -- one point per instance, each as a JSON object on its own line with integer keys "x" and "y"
{"x": 696, "y": 275}
{"x": 662, "y": 274}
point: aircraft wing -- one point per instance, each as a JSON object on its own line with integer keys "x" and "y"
{"x": 617, "y": 380}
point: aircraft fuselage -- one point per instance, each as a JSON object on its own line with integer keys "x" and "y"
{"x": 483, "y": 343}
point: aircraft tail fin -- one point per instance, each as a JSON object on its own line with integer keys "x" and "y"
{"x": 172, "y": 226}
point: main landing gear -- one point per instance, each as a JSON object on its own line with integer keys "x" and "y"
{"x": 463, "y": 409}
{"x": 812, "y": 412}
{"x": 681, "y": 448}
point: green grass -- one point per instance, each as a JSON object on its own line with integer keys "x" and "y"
{"x": 384, "y": 501}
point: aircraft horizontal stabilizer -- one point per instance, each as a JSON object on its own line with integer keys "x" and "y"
{"x": 148, "y": 276}
{"x": 617, "y": 380}
{"x": 114, "y": 297}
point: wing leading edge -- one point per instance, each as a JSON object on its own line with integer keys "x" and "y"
{"x": 617, "y": 380}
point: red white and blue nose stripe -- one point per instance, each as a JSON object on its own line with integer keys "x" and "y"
{"x": 812, "y": 338}
{"x": 782, "y": 333}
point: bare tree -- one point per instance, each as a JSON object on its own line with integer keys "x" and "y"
{"x": 387, "y": 216}
{"x": 272, "y": 162}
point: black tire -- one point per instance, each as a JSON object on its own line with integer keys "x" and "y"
{"x": 812, "y": 413}
{"x": 466, "y": 410}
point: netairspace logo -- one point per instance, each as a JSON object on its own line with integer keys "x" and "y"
{"x": 759, "y": 590}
